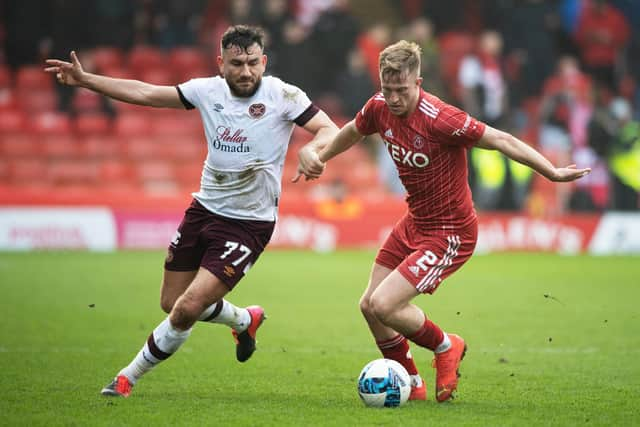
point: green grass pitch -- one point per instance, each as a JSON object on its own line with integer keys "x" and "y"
{"x": 70, "y": 321}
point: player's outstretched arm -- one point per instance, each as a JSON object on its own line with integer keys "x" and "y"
{"x": 131, "y": 91}
{"x": 512, "y": 147}
{"x": 325, "y": 131}
{"x": 347, "y": 137}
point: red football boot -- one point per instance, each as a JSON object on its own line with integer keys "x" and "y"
{"x": 246, "y": 340}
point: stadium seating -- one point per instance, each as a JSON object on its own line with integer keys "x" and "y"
{"x": 139, "y": 149}
{"x": 107, "y": 57}
{"x": 51, "y": 123}
{"x": 142, "y": 58}
{"x": 31, "y": 77}
{"x": 92, "y": 124}
{"x": 5, "y": 77}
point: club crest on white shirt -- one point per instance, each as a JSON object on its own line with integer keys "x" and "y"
{"x": 257, "y": 110}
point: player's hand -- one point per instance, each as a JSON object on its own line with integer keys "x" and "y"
{"x": 67, "y": 73}
{"x": 309, "y": 165}
{"x": 570, "y": 173}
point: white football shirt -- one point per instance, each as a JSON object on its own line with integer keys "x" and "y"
{"x": 247, "y": 140}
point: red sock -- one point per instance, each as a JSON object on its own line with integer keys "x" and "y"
{"x": 429, "y": 335}
{"x": 397, "y": 348}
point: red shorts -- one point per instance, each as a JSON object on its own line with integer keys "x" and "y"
{"x": 426, "y": 258}
{"x": 227, "y": 247}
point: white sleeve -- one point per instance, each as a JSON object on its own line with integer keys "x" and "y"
{"x": 191, "y": 91}
{"x": 470, "y": 72}
{"x": 293, "y": 101}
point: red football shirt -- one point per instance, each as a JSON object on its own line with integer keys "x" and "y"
{"x": 429, "y": 148}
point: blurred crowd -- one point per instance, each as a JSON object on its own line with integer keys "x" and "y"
{"x": 561, "y": 74}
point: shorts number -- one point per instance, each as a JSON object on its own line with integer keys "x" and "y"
{"x": 232, "y": 246}
{"x": 428, "y": 258}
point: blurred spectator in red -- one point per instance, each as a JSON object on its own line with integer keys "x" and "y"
{"x": 602, "y": 34}
{"x": 565, "y": 106}
{"x": 371, "y": 42}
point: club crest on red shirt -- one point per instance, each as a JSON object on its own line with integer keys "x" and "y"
{"x": 418, "y": 142}
{"x": 257, "y": 110}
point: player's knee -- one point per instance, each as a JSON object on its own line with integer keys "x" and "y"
{"x": 381, "y": 309}
{"x": 365, "y": 306}
{"x": 185, "y": 311}
{"x": 166, "y": 304}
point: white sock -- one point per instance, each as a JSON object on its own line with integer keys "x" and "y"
{"x": 228, "y": 314}
{"x": 416, "y": 380}
{"x": 165, "y": 340}
{"x": 444, "y": 345}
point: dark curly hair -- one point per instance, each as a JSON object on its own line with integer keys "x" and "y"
{"x": 242, "y": 36}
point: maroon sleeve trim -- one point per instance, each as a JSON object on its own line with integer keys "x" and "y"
{"x": 187, "y": 104}
{"x": 306, "y": 115}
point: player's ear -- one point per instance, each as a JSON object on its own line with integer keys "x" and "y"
{"x": 264, "y": 61}
{"x": 220, "y": 63}
{"x": 419, "y": 81}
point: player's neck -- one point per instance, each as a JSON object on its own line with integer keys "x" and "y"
{"x": 412, "y": 107}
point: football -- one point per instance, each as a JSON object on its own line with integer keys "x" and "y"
{"x": 384, "y": 383}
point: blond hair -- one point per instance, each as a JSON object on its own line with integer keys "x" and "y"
{"x": 399, "y": 58}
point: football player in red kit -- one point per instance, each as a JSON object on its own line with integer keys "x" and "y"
{"x": 428, "y": 140}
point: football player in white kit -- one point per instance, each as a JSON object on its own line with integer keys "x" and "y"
{"x": 248, "y": 120}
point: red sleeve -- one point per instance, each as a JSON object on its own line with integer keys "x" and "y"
{"x": 365, "y": 119}
{"x": 456, "y": 127}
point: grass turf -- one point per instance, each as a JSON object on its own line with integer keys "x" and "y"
{"x": 552, "y": 341}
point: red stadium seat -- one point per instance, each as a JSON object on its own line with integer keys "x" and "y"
{"x": 51, "y": 124}
{"x": 92, "y": 124}
{"x": 85, "y": 100}
{"x": 183, "y": 149}
{"x": 101, "y": 146}
{"x": 185, "y": 57}
{"x": 13, "y": 121}
{"x": 143, "y": 57}
{"x": 157, "y": 76}
{"x": 27, "y": 171}
{"x": 19, "y": 146}
{"x": 118, "y": 72}
{"x": 5, "y": 77}
{"x": 61, "y": 146}
{"x": 116, "y": 171}
{"x": 132, "y": 125}
{"x": 4, "y": 171}
{"x": 34, "y": 102}
{"x": 189, "y": 62}
{"x": 72, "y": 171}
{"x": 33, "y": 77}
{"x": 140, "y": 148}
{"x": 155, "y": 170}
{"x": 177, "y": 124}
{"x": 107, "y": 57}
{"x": 188, "y": 174}
{"x": 126, "y": 108}
{"x": 8, "y": 100}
